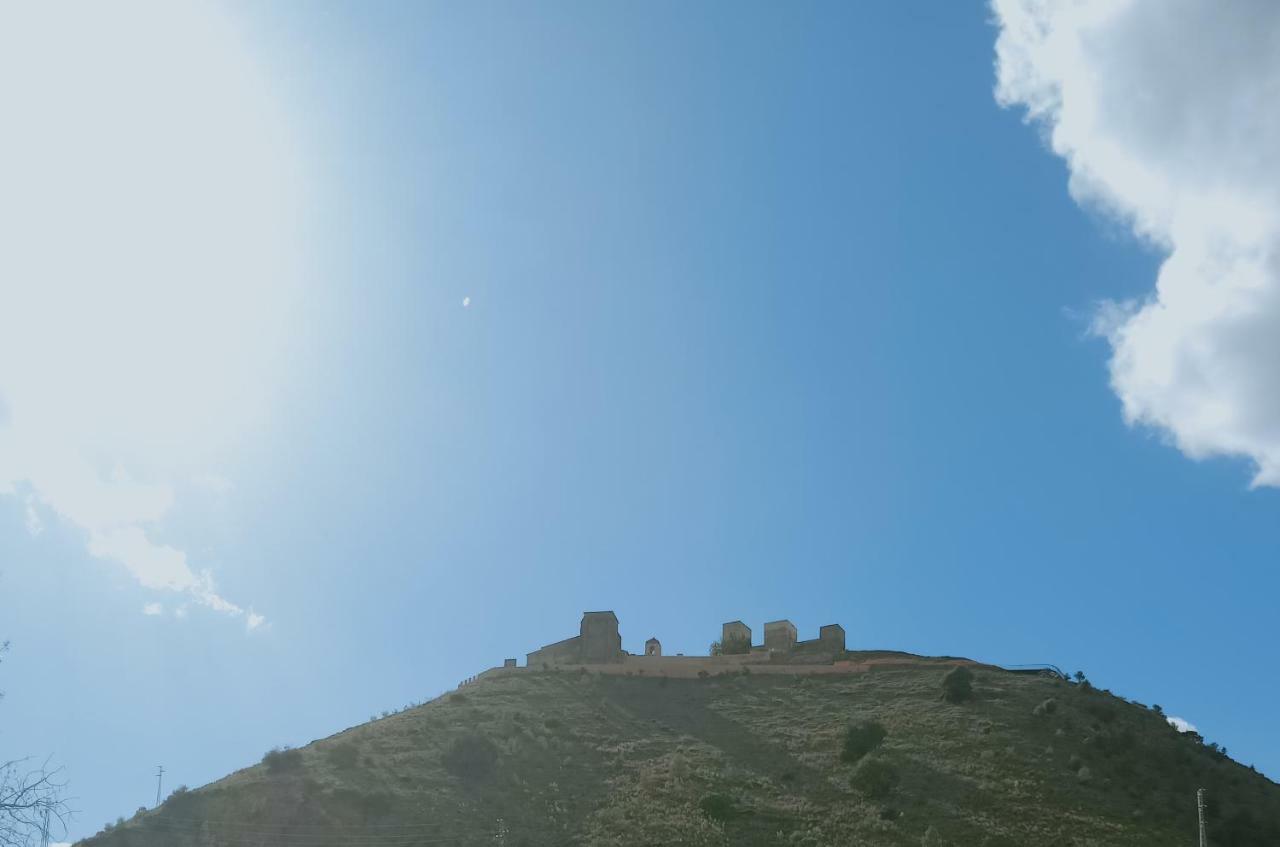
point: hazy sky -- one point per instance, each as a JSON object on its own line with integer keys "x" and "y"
{"x": 348, "y": 349}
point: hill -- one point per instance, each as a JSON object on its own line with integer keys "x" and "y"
{"x": 571, "y": 757}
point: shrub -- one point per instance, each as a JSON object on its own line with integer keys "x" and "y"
{"x": 875, "y": 778}
{"x": 703, "y": 674}
{"x": 957, "y": 685}
{"x": 718, "y": 807}
{"x": 931, "y": 838}
{"x": 343, "y": 756}
{"x": 1102, "y": 710}
{"x": 282, "y": 760}
{"x": 375, "y": 805}
{"x": 471, "y": 757}
{"x": 860, "y": 739}
{"x": 1048, "y": 707}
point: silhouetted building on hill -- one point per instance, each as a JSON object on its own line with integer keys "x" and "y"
{"x": 597, "y": 642}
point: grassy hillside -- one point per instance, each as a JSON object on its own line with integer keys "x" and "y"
{"x": 562, "y": 758}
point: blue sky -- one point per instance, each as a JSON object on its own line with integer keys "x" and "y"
{"x": 774, "y": 311}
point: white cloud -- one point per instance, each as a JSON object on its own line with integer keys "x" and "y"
{"x": 148, "y": 274}
{"x": 1181, "y": 725}
{"x": 214, "y": 483}
{"x": 32, "y": 520}
{"x": 153, "y": 609}
{"x": 1165, "y": 113}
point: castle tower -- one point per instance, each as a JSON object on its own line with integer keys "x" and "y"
{"x": 832, "y": 636}
{"x": 600, "y": 641}
{"x": 779, "y": 636}
{"x": 653, "y": 647}
{"x": 736, "y": 633}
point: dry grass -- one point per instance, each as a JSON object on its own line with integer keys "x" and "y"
{"x": 616, "y": 760}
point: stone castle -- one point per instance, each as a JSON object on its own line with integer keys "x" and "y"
{"x": 597, "y": 649}
{"x": 598, "y": 643}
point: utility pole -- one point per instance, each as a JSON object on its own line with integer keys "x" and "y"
{"x": 1204, "y": 841}
{"x": 159, "y": 779}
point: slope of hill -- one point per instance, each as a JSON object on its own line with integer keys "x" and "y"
{"x": 551, "y": 758}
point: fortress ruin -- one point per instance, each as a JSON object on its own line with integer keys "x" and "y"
{"x": 598, "y": 645}
{"x": 597, "y": 649}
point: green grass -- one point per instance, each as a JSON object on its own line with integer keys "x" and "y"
{"x": 742, "y": 759}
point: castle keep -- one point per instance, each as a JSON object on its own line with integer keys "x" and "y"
{"x": 597, "y": 642}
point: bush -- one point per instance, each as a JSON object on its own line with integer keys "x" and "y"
{"x": 282, "y": 760}
{"x": 343, "y": 756}
{"x": 718, "y": 807}
{"x": 730, "y": 647}
{"x": 931, "y": 838}
{"x": 375, "y": 805}
{"x": 875, "y": 778}
{"x": 957, "y": 685}
{"x": 860, "y": 739}
{"x": 471, "y": 757}
{"x": 1048, "y": 707}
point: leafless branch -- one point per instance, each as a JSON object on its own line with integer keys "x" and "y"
{"x": 30, "y": 795}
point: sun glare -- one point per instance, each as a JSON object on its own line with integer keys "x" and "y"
{"x": 149, "y": 212}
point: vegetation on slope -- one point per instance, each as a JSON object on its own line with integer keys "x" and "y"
{"x": 882, "y": 758}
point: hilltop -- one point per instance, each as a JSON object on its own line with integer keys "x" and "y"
{"x": 566, "y": 755}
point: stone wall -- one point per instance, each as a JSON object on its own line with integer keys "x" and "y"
{"x": 692, "y": 667}
{"x": 569, "y": 650}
